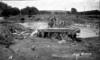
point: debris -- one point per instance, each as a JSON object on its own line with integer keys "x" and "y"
{"x": 33, "y": 48}
{"x": 62, "y": 41}
{"x": 10, "y": 57}
{"x": 34, "y": 32}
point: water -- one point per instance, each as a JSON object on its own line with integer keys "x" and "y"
{"x": 87, "y": 30}
{"x": 35, "y": 25}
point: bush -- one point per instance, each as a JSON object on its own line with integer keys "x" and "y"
{"x": 10, "y": 12}
{"x": 29, "y": 11}
{"x": 73, "y": 10}
{"x": 6, "y": 38}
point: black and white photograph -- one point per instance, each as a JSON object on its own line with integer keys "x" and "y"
{"x": 49, "y": 29}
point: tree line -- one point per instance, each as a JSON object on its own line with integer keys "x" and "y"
{"x": 6, "y": 10}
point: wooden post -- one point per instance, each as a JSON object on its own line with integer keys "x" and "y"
{"x": 42, "y": 34}
{"x": 48, "y": 34}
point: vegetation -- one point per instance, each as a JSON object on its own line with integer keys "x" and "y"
{"x": 3, "y": 6}
{"x": 91, "y": 12}
{"x": 73, "y": 10}
{"x": 7, "y": 11}
{"x": 10, "y": 12}
{"x": 29, "y": 11}
{"x": 6, "y": 37}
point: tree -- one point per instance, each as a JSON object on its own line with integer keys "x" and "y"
{"x": 73, "y": 10}
{"x": 10, "y": 11}
{"x": 3, "y": 6}
{"x": 29, "y": 11}
{"x": 6, "y": 10}
{"x": 14, "y": 11}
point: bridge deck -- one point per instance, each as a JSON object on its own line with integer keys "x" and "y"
{"x": 59, "y": 30}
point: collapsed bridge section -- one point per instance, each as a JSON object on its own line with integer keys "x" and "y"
{"x": 58, "y": 33}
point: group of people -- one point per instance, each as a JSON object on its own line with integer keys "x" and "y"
{"x": 54, "y": 22}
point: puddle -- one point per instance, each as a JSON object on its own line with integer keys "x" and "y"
{"x": 87, "y": 31}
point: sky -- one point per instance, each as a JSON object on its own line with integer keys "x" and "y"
{"x": 80, "y": 5}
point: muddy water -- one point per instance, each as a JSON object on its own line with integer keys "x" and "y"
{"x": 87, "y": 31}
{"x": 35, "y": 25}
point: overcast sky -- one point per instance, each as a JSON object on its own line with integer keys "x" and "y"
{"x": 80, "y": 5}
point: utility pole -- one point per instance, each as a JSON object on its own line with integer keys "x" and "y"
{"x": 65, "y": 12}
